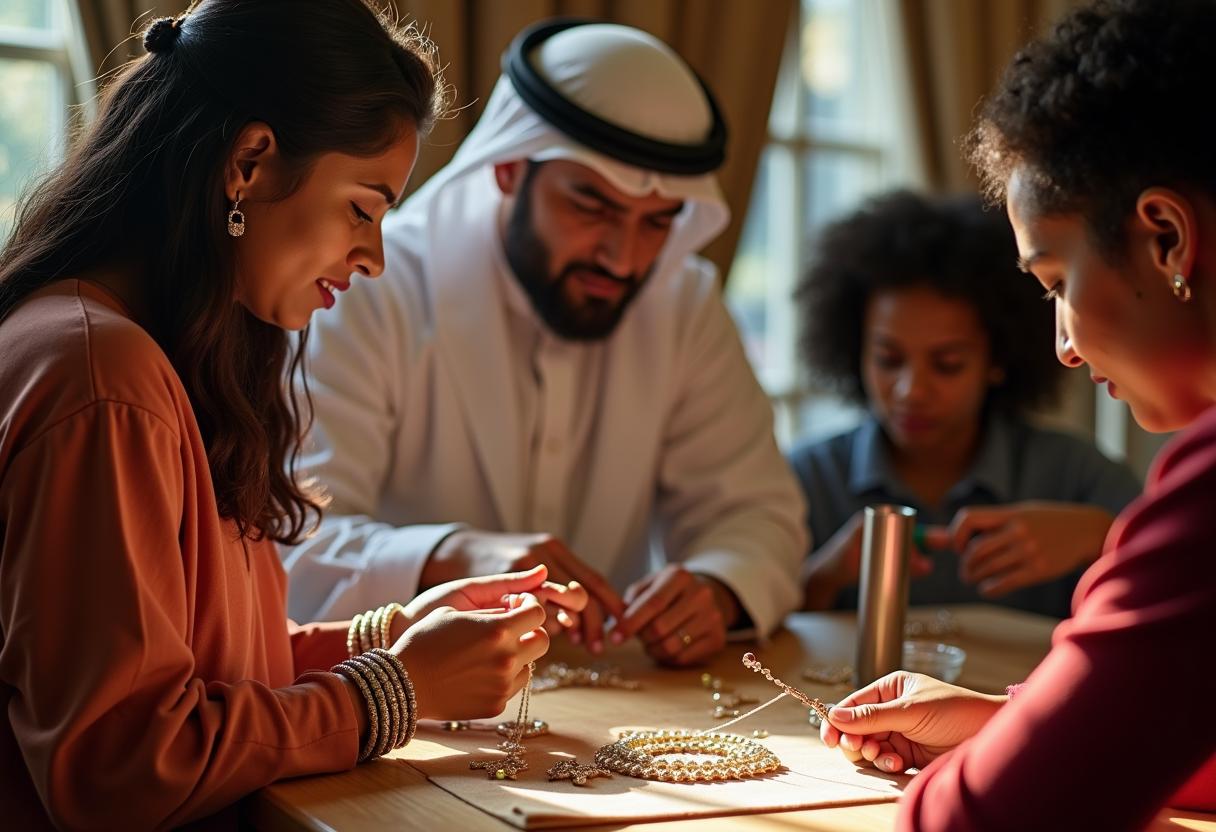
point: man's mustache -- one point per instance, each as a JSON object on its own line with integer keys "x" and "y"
{"x": 599, "y": 271}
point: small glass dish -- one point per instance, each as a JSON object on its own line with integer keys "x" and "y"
{"x": 941, "y": 661}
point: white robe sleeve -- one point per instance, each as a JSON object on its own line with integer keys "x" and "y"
{"x": 729, "y": 505}
{"x": 357, "y": 361}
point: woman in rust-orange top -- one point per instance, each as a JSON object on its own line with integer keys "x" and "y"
{"x": 232, "y": 182}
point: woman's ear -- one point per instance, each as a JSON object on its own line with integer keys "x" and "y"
{"x": 248, "y": 170}
{"x": 1169, "y": 229}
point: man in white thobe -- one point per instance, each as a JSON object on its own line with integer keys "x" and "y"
{"x": 545, "y": 372}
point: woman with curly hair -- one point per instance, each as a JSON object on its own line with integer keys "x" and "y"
{"x": 915, "y": 308}
{"x": 232, "y": 181}
{"x": 1099, "y": 142}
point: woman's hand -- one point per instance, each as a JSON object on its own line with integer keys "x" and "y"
{"x": 563, "y": 602}
{"x": 906, "y": 720}
{"x": 837, "y": 564}
{"x": 1003, "y": 548}
{"x": 466, "y": 664}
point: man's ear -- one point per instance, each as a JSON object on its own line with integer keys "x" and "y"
{"x": 508, "y": 175}
{"x": 1170, "y": 228}
{"x": 247, "y": 171}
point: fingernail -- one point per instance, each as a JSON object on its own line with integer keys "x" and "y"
{"x": 840, "y": 714}
{"x": 575, "y": 637}
{"x": 617, "y": 638}
{"x": 887, "y": 763}
{"x": 597, "y": 647}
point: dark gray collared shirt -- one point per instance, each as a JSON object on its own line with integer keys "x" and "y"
{"x": 1016, "y": 461}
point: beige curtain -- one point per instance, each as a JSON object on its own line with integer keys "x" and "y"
{"x": 734, "y": 44}
{"x": 956, "y": 52}
{"x": 108, "y": 26}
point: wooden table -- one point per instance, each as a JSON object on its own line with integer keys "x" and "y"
{"x": 1002, "y": 647}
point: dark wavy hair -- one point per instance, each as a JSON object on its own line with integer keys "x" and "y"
{"x": 143, "y": 188}
{"x": 953, "y": 246}
{"x": 1082, "y": 108}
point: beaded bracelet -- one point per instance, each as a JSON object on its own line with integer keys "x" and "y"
{"x": 388, "y": 612}
{"x": 395, "y": 696}
{"x": 371, "y": 629}
{"x": 379, "y": 704}
{"x": 349, "y": 670}
{"x": 394, "y": 665}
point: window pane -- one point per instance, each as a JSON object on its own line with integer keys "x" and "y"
{"x": 747, "y": 289}
{"x": 30, "y": 125}
{"x": 835, "y": 182}
{"x": 831, "y": 67}
{"x": 26, "y": 14}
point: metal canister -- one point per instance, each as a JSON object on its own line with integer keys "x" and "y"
{"x": 886, "y": 547}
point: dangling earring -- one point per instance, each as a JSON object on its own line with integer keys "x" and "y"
{"x": 1182, "y": 289}
{"x": 236, "y": 218}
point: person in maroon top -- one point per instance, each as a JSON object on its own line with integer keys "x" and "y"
{"x": 1100, "y": 144}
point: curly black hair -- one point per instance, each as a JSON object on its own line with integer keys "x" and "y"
{"x": 1110, "y": 103}
{"x": 954, "y": 246}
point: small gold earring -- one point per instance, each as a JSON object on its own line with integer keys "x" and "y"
{"x": 236, "y": 218}
{"x": 1182, "y": 289}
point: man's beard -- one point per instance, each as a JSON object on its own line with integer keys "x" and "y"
{"x": 528, "y": 256}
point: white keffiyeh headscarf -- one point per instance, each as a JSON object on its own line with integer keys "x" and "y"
{"x": 621, "y": 75}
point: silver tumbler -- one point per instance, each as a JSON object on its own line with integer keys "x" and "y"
{"x": 886, "y": 546}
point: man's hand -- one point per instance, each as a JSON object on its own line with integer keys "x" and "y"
{"x": 472, "y": 553}
{"x": 681, "y": 617}
{"x": 1003, "y": 548}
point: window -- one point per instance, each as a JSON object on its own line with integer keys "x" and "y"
{"x": 838, "y": 133}
{"x": 40, "y": 68}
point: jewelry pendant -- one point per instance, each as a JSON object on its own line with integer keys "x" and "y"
{"x": 505, "y": 768}
{"x": 576, "y": 772}
{"x": 509, "y": 766}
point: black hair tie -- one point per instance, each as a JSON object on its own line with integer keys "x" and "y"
{"x": 162, "y": 34}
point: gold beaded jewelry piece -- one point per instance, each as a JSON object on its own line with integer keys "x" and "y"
{"x": 575, "y": 772}
{"x": 509, "y": 767}
{"x": 816, "y": 705}
{"x": 641, "y": 753}
{"x": 562, "y": 675}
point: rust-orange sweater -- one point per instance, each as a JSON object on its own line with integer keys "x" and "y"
{"x": 148, "y": 673}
